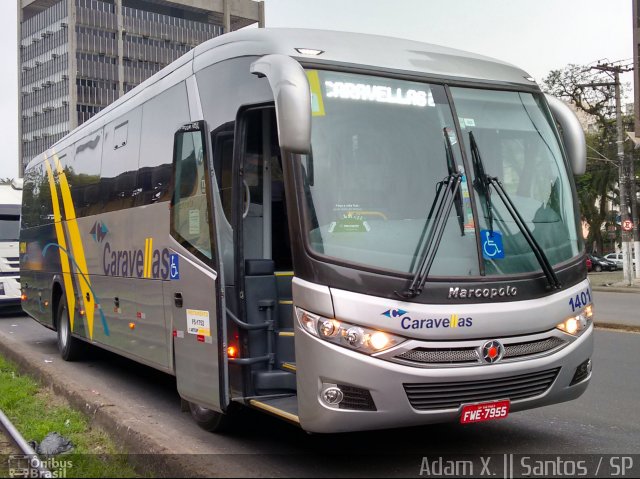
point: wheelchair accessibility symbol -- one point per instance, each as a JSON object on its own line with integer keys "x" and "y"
{"x": 491, "y": 244}
{"x": 174, "y": 262}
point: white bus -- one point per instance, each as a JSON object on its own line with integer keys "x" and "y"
{"x": 10, "y": 204}
{"x": 347, "y": 231}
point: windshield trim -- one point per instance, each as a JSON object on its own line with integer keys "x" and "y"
{"x": 340, "y": 67}
{"x": 446, "y": 83}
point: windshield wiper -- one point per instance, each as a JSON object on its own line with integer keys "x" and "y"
{"x": 446, "y": 194}
{"x": 483, "y": 184}
{"x": 451, "y": 165}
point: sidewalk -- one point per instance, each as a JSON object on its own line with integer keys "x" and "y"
{"x": 612, "y": 282}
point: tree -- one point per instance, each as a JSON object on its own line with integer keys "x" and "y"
{"x": 597, "y": 187}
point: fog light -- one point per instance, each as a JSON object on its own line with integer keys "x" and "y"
{"x": 582, "y": 372}
{"x": 332, "y": 396}
{"x": 378, "y": 340}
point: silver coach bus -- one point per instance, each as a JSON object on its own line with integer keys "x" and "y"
{"x": 347, "y": 231}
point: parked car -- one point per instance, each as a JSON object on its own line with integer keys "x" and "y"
{"x": 601, "y": 264}
{"x": 617, "y": 259}
{"x": 589, "y": 264}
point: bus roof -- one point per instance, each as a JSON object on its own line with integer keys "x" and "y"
{"x": 374, "y": 51}
{"x": 10, "y": 196}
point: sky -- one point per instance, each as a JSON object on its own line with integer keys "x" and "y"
{"x": 536, "y": 35}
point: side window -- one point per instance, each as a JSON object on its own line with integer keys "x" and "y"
{"x": 36, "y": 197}
{"x": 154, "y": 166}
{"x": 120, "y": 135}
{"x": 83, "y": 174}
{"x": 190, "y": 212}
{"x": 119, "y": 168}
{"x": 222, "y": 144}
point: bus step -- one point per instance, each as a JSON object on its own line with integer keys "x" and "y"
{"x": 274, "y": 381}
{"x": 283, "y": 407}
{"x": 288, "y": 366}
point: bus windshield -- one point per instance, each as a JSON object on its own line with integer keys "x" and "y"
{"x": 379, "y": 155}
{"x": 9, "y": 227}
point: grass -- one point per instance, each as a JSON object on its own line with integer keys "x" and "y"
{"x": 36, "y": 411}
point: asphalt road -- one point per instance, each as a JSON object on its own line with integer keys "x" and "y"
{"x": 617, "y": 308}
{"x": 603, "y": 420}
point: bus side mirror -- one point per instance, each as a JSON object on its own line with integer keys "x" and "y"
{"x": 572, "y": 134}
{"x": 292, "y": 96}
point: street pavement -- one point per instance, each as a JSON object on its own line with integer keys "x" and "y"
{"x": 141, "y": 407}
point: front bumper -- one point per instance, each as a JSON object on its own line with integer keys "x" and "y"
{"x": 320, "y": 362}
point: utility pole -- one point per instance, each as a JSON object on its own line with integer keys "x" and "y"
{"x": 627, "y": 265}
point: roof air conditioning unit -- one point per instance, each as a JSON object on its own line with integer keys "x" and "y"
{"x": 65, "y": 77}
{"x": 63, "y": 24}
{"x": 54, "y": 55}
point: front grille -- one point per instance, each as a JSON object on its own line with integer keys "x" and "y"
{"x": 441, "y": 355}
{"x": 531, "y": 347}
{"x": 356, "y": 398}
{"x": 451, "y": 395}
{"x": 470, "y": 355}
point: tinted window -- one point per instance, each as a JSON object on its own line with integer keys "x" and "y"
{"x": 190, "y": 206}
{"x": 156, "y": 144}
{"x": 120, "y": 161}
{"x": 36, "y": 197}
{"x": 83, "y": 174}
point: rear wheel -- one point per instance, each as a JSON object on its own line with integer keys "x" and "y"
{"x": 71, "y": 349}
{"x": 208, "y": 419}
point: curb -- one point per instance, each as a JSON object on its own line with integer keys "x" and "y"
{"x": 627, "y": 328}
{"x": 144, "y": 453}
{"x": 616, "y": 289}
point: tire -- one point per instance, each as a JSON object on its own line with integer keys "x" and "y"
{"x": 597, "y": 268}
{"x": 208, "y": 419}
{"x": 70, "y": 348}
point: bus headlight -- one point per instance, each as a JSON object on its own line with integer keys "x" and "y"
{"x": 358, "y": 338}
{"x": 575, "y": 325}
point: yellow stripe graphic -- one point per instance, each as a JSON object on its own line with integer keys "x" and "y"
{"x": 454, "y": 320}
{"x": 146, "y": 257}
{"x": 148, "y": 254}
{"x": 317, "y": 105}
{"x": 64, "y": 259}
{"x": 76, "y": 245}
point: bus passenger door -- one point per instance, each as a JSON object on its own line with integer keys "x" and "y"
{"x": 193, "y": 287}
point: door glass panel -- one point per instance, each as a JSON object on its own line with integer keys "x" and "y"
{"x": 190, "y": 207}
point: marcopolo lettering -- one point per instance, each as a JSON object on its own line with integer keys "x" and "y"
{"x": 489, "y": 293}
{"x": 131, "y": 263}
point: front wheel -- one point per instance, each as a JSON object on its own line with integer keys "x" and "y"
{"x": 71, "y": 349}
{"x": 208, "y": 419}
{"x": 597, "y": 268}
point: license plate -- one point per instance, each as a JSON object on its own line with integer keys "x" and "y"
{"x": 485, "y": 411}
